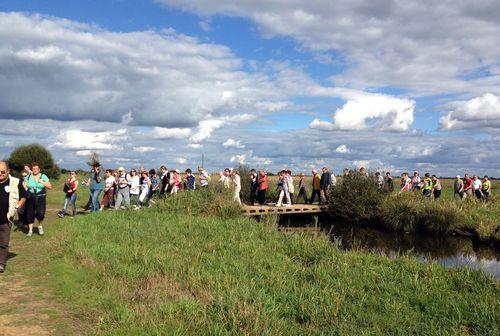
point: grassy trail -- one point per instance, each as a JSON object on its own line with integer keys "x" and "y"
{"x": 28, "y": 303}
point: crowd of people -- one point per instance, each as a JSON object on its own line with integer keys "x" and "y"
{"x": 133, "y": 189}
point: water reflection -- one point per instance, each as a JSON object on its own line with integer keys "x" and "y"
{"x": 452, "y": 251}
{"x": 448, "y": 251}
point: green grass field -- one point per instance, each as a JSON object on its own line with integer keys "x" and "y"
{"x": 192, "y": 265}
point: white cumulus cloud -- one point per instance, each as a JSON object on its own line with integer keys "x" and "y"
{"x": 479, "y": 112}
{"x": 371, "y": 111}
{"x": 342, "y": 149}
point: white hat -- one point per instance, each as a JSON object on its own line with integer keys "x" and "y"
{"x": 121, "y": 169}
{"x": 458, "y": 176}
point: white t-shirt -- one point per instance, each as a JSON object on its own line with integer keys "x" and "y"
{"x": 477, "y": 184}
{"x": 109, "y": 182}
{"x": 135, "y": 186}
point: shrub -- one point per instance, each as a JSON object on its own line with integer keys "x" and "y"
{"x": 356, "y": 198}
{"x": 411, "y": 212}
{"x": 34, "y": 153}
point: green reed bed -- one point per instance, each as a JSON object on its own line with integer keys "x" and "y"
{"x": 181, "y": 269}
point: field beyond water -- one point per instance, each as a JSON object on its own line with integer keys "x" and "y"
{"x": 192, "y": 265}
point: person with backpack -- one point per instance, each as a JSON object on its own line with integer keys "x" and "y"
{"x": 12, "y": 197}
{"x": 70, "y": 187}
{"x": 123, "y": 189}
{"x": 37, "y": 184}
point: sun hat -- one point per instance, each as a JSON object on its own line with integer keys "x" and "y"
{"x": 121, "y": 169}
{"x": 177, "y": 171}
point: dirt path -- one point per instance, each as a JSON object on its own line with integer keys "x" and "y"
{"x": 28, "y": 305}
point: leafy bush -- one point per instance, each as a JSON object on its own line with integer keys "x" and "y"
{"x": 356, "y": 198}
{"x": 34, "y": 153}
{"x": 412, "y": 212}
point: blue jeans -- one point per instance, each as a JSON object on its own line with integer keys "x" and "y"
{"x": 94, "y": 193}
{"x": 67, "y": 200}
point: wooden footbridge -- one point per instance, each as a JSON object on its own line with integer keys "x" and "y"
{"x": 295, "y": 209}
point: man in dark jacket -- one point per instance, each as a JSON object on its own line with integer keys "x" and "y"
{"x": 324, "y": 184}
{"x": 12, "y": 196}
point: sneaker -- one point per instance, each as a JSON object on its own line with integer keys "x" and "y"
{"x": 288, "y": 205}
{"x": 2, "y": 268}
{"x": 152, "y": 201}
{"x": 60, "y": 215}
{"x": 40, "y": 231}
{"x": 29, "y": 234}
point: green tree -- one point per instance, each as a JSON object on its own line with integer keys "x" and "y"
{"x": 34, "y": 153}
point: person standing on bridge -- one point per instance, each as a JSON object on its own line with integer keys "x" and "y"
{"x": 316, "y": 186}
{"x": 283, "y": 189}
{"x": 325, "y": 181}
{"x": 291, "y": 187}
{"x": 254, "y": 185}
{"x": 261, "y": 196}
{"x": 235, "y": 177}
{"x": 302, "y": 188}
{"x": 12, "y": 197}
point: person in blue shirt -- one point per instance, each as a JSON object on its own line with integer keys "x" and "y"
{"x": 96, "y": 185}
{"x": 155, "y": 185}
{"x": 190, "y": 180}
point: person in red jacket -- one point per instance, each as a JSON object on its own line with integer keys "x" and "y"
{"x": 261, "y": 193}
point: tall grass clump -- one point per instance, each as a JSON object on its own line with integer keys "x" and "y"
{"x": 356, "y": 199}
{"x": 411, "y": 212}
{"x": 212, "y": 201}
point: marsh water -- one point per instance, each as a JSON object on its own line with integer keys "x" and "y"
{"x": 449, "y": 251}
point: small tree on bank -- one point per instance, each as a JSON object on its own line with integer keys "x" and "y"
{"x": 34, "y": 153}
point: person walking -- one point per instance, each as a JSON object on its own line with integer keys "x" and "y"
{"x": 145, "y": 186}
{"x": 389, "y": 182}
{"x": 379, "y": 180}
{"x": 302, "y": 188}
{"x": 290, "y": 185}
{"x": 135, "y": 188}
{"x": 427, "y": 189}
{"x": 468, "y": 190}
{"x": 283, "y": 189}
{"x": 96, "y": 185}
{"x": 108, "y": 198}
{"x": 154, "y": 192}
{"x": 12, "y": 197}
{"x": 235, "y": 176}
{"x": 436, "y": 187}
{"x": 458, "y": 187}
{"x": 70, "y": 188}
{"x": 164, "y": 177}
{"x": 325, "y": 181}
{"x": 415, "y": 181}
{"x": 477, "y": 185}
{"x": 254, "y": 185}
{"x": 406, "y": 184}
{"x": 316, "y": 186}
{"x": 37, "y": 184}
{"x": 204, "y": 177}
{"x": 486, "y": 187}
{"x": 190, "y": 180}
{"x": 123, "y": 189}
{"x": 261, "y": 195}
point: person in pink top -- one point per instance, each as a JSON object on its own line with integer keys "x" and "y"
{"x": 261, "y": 193}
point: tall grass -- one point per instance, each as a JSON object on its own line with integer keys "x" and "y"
{"x": 174, "y": 270}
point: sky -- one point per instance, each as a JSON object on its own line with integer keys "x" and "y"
{"x": 385, "y": 84}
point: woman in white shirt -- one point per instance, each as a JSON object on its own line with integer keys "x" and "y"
{"x": 135, "y": 188}
{"x": 237, "y": 185}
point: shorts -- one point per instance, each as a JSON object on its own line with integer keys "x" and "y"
{"x": 35, "y": 208}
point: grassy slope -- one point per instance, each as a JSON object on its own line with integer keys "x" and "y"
{"x": 172, "y": 269}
